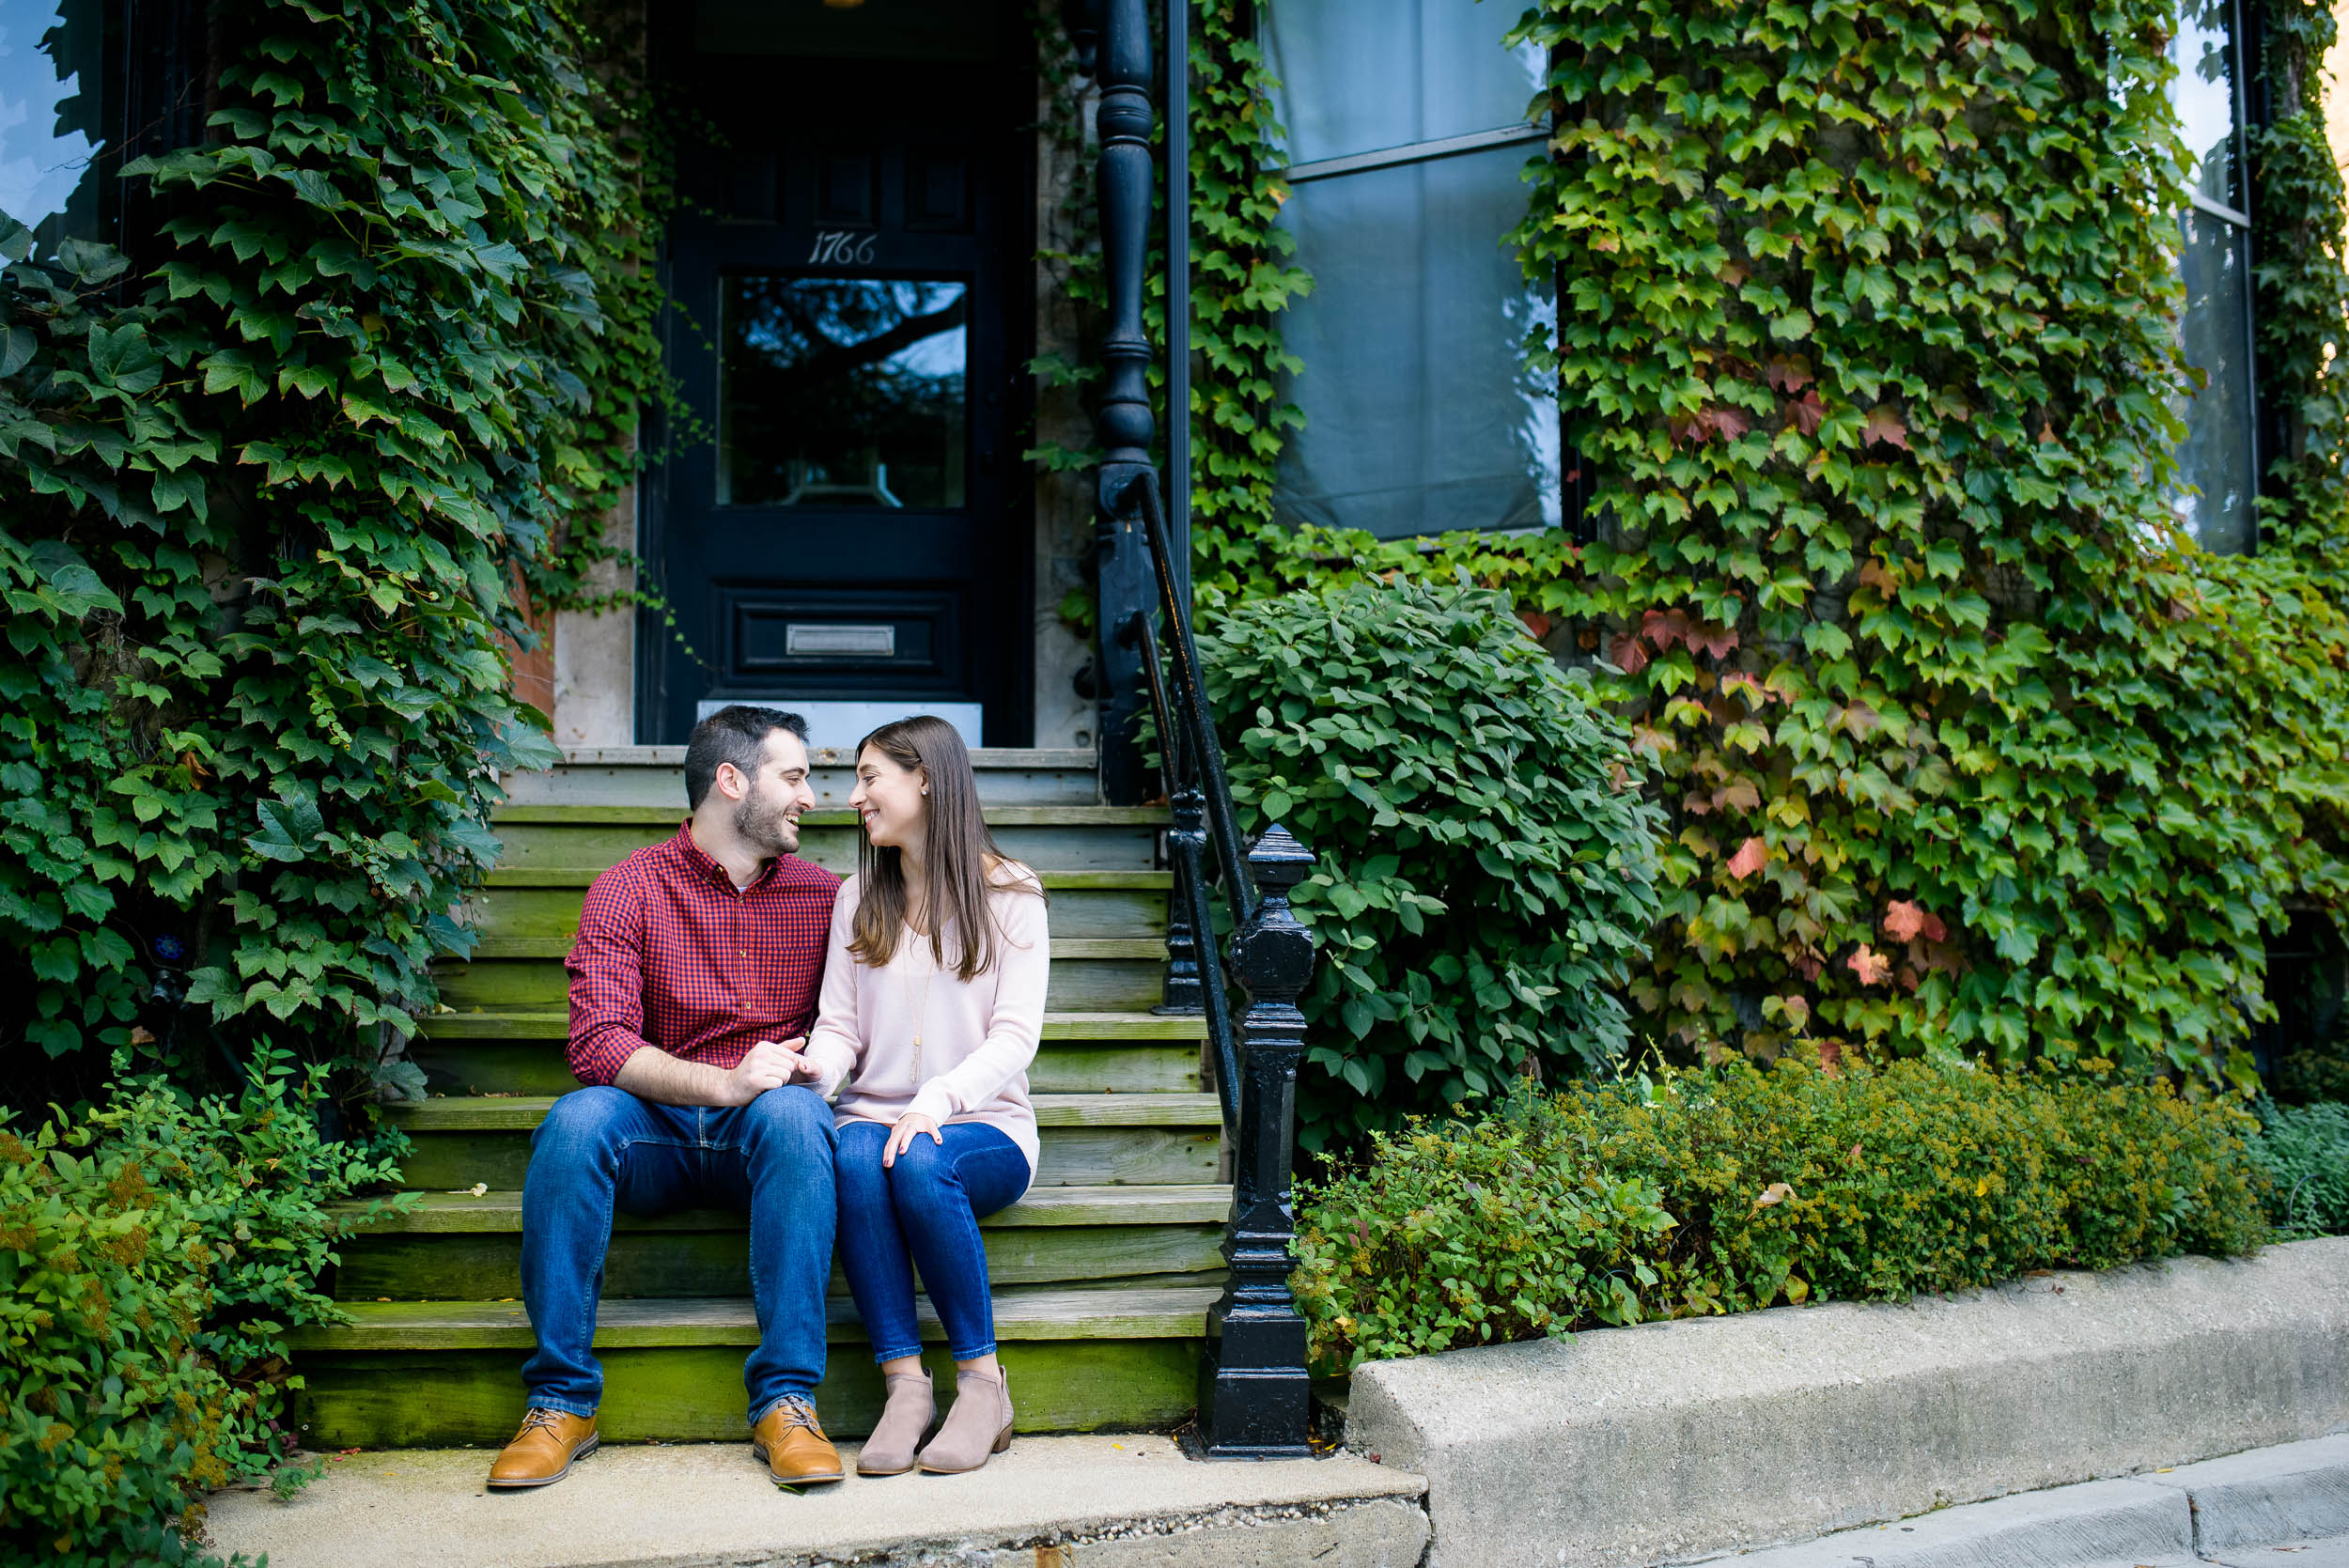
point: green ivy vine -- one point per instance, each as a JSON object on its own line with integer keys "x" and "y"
{"x": 269, "y": 504}
{"x": 1866, "y": 324}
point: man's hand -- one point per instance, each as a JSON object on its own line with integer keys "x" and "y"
{"x": 768, "y": 1064}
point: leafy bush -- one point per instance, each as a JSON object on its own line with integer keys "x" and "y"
{"x": 1487, "y": 865}
{"x": 2304, "y": 1151}
{"x": 152, "y": 1255}
{"x": 1695, "y": 1191}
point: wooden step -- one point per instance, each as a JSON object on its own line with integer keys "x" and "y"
{"x": 542, "y": 904}
{"x": 1085, "y": 1139}
{"x": 417, "y": 1374}
{"x": 554, "y": 1023}
{"x": 1128, "y": 976}
{"x": 460, "y": 1244}
{"x": 1082, "y": 1053}
{"x": 1061, "y": 838}
{"x": 655, "y": 776}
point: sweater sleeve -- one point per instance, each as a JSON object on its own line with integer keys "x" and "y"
{"x": 836, "y": 1044}
{"x": 1016, "y": 1024}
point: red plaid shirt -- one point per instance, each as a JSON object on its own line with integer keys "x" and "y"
{"x": 670, "y": 955}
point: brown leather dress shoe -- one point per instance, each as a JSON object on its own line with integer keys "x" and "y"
{"x": 793, "y": 1445}
{"x": 543, "y": 1452}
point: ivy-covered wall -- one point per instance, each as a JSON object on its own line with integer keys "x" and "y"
{"x": 1866, "y": 328}
{"x": 267, "y": 498}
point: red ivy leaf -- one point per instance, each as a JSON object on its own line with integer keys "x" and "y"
{"x": 1751, "y": 856}
{"x": 1627, "y": 654}
{"x": 1791, "y": 374}
{"x": 1719, "y": 641}
{"x": 1806, "y": 413}
{"x": 1884, "y": 423}
{"x": 1535, "y": 622}
{"x": 1664, "y": 628}
{"x": 1903, "y": 920}
{"x": 1870, "y": 965}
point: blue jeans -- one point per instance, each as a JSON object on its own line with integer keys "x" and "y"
{"x": 602, "y": 1149}
{"x": 926, "y": 1206}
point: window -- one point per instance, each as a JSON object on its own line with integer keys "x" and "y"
{"x": 2219, "y": 463}
{"x": 51, "y": 67}
{"x": 841, "y": 392}
{"x": 1407, "y": 135}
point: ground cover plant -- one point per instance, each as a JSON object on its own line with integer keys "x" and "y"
{"x": 1487, "y": 863}
{"x": 153, "y": 1253}
{"x": 1687, "y": 1191}
{"x": 2304, "y": 1151}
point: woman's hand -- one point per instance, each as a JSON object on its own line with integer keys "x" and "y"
{"x": 909, "y": 1126}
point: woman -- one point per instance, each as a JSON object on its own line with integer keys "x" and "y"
{"x": 933, "y": 999}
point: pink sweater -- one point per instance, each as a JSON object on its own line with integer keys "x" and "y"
{"x": 977, "y": 1036}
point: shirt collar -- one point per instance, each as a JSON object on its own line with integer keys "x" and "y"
{"x": 711, "y": 871}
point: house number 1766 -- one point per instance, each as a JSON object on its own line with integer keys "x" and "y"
{"x": 841, "y": 246}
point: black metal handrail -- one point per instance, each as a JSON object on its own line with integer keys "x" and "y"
{"x": 1191, "y": 769}
{"x": 1252, "y": 1388}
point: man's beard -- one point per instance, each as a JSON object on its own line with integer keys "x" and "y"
{"x": 765, "y": 825}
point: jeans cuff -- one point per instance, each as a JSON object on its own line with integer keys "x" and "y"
{"x": 881, "y": 1355}
{"x": 962, "y": 1355}
{"x": 568, "y": 1406}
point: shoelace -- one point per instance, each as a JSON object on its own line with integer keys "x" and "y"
{"x": 539, "y": 1417}
{"x": 796, "y": 1414}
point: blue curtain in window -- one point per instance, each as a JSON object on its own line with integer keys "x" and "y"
{"x": 1418, "y": 416}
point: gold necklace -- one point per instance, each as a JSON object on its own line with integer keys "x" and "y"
{"x": 921, "y": 1014}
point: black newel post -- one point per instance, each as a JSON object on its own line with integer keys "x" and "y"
{"x": 1252, "y": 1388}
{"x": 1121, "y": 572}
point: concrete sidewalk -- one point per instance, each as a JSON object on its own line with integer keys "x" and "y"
{"x": 2282, "y": 1507}
{"x": 1050, "y": 1503}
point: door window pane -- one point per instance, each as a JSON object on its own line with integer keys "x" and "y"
{"x": 1362, "y": 75}
{"x": 1419, "y": 414}
{"x": 2214, "y": 462}
{"x": 841, "y": 392}
{"x": 50, "y": 61}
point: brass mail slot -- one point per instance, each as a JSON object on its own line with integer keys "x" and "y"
{"x": 834, "y": 640}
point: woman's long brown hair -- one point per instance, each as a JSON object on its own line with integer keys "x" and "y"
{"x": 960, "y": 863}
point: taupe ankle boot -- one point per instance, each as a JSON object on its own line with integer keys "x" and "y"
{"x": 977, "y": 1426}
{"x": 905, "y": 1420}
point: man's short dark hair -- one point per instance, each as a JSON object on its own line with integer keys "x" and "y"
{"x": 737, "y": 735}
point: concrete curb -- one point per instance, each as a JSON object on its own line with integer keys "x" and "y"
{"x": 1674, "y": 1441}
{"x": 2294, "y": 1492}
{"x": 2070, "y": 1527}
{"x": 2267, "y": 1501}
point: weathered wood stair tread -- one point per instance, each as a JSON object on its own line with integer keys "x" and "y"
{"x": 555, "y": 1024}
{"x": 996, "y": 816}
{"x": 1021, "y": 1313}
{"x": 502, "y": 1212}
{"x": 1065, "y": 949}
{"x": 1110, "y": 878}
{"x": 523, "y": 1113}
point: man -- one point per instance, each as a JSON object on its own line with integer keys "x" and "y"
{"x": 693, "y": 981}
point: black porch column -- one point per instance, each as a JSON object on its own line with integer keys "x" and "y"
{"x": 1252, "y": 1388}
{"x": 1123, "y": 424}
